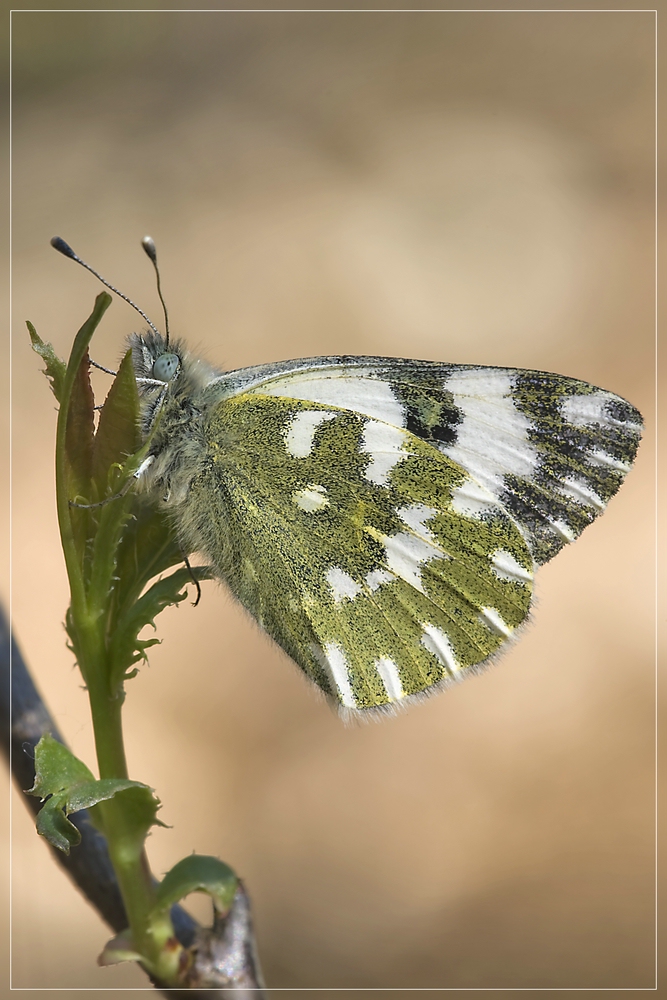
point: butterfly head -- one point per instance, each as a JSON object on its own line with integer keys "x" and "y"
{"x": 170, "y": 379}
{"x": 153, "y": 358}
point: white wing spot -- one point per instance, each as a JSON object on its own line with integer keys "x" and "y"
{"x": 472, "y": 500}
{"x": 390, "y": 678}
{"x": 342, "y": 584}
{"x": 311, "y": 498}
{"x": 371, "y": 397}
{"x": 300, "y": 433}
{"x": 406, "y": 554}
{"x": 377, "y": 577}
{"x": 582, "y": 411}
{"x": 437, "y": 642}
{"x": 332, "y": 659}
{"x": 492, "y": 439}
{"x": 608, "y": 461}
{"x": 579, "y": 491}
{"x": 416, "y": 516}
{"x": 491, "y": 618}
{"x": 564, "y": 530}
{"x": 590, "y": 408}
{"x": 505, "y": 566}
{"x": 384, "y": 443}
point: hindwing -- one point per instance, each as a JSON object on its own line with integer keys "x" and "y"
{"x": 349, "y": 540}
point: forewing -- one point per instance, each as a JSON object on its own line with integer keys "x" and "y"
{"x": 374, "y": 559}
{"x": 551, "y": 450}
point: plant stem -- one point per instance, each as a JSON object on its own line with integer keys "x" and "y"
{"x": 107, "y": 726}
{"x": 152, "y": 937}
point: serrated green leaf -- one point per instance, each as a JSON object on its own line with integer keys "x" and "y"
{"x": 198, "y": 873}
{"x": 89, "y": 793}
{"x": 71, "y": 786}
{"x": 53, "y": 825}
{"x": 57, "y": 769}
{"x": 55, "y": 366}
{"x": 126, "y": 647}
{"x": 118, "y": 429}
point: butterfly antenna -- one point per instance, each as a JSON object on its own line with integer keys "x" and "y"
{"x": 65, "y": 249}
{"x": 149, "y": 246}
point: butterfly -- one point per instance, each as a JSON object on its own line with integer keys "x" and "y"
{"x": 380, "y": 518}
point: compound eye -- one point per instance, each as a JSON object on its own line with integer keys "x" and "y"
{"x": 165, "y": 367}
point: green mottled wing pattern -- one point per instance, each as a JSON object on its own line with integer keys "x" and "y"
{"x": 382, "y": 518}
{"x": 342, "y": 537}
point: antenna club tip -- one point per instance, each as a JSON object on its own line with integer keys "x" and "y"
{"x": 58, "y": 243}
{"x": 149, "y": 246}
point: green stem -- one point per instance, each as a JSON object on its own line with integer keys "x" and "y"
{"x": 107, "y": 726}
{"x": 152, "y": 934}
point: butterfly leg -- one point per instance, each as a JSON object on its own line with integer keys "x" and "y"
{"x": 194, "y": 580}
{"x": 147, "y": 462}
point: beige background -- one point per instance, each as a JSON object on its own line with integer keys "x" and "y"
{"x": 468, "y": 187}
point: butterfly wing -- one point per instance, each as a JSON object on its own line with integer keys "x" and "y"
{"x": 381, "y": 518}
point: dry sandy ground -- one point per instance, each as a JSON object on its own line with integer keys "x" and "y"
{"x": 464, "y": 187}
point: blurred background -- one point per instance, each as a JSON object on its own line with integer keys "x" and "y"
{"x": 460, "y": 186}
